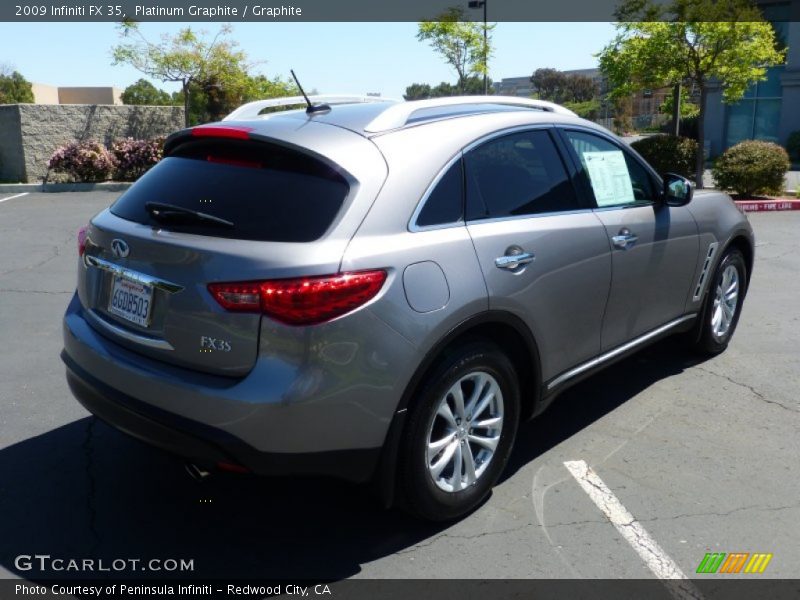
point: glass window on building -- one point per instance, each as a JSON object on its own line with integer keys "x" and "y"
{"x": 757, "y": 115}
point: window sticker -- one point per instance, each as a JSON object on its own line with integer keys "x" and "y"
{"x": 610, "y": 179}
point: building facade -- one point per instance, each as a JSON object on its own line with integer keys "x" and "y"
{"x": 50, "y": 94}
{"x": 770, "y": 110}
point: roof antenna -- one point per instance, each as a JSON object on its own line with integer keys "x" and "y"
{"x": 312, "y": 108}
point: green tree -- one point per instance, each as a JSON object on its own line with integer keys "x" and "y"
{"x": 557, "y": 86}
{"x": 15, "y": 89}
{"x": 190, "y": 58}
{"x": 586, "y": 109}
{"x": 145, "y": 93}
{"x": 459, "y": 42}
{"x": 695, "y": 41}
{"x": 417, "y": 91}
{"x": 688, "y": 109}
{"x": 549, "y": 84}
{"x": 473, "y": 86}
{"x": 580, "y": 88}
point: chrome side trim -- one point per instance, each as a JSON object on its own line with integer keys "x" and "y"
{"x": 710, "y": 254}
{"x": 598, "y": 360}
{"x": 99, "y": 263}
{"x": 100, "y": 323}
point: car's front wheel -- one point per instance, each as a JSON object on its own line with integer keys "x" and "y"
{"x": 460, "y": 432}
{"x": 723, "y": 303}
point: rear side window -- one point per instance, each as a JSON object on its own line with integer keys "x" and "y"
{"x": 268, "y": 192}
{"x": 517, "y": 174}
{"x": 445, "y": 204}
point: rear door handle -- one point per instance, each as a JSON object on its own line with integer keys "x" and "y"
{"x": 624, "y": 239}
{"x": 512, "y": 261}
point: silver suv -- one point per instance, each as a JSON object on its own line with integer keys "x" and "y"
{"x": 383, "y": 290}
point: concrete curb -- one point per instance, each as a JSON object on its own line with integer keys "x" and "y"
{"x": 104, "y": 186}
{"x": 770, "y": 205}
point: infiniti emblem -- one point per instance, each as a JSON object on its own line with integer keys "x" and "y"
{"x": 120, "y": 248}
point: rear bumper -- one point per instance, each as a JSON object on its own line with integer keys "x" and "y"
{"x": 204, "y": 445}
{"x": 315, "y": 417}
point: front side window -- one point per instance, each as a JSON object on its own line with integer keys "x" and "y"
{"x": 615, "y": 177}
{"x": 516, "y": 175}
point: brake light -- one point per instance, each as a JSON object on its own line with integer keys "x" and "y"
{"x": 222, "y": 131}
{"x": 83, "y": 233}
{"x": 236, "y": 162}
{"x": 301, "y": 301}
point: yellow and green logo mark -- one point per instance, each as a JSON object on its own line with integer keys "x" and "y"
{"x": 720, "y": 562}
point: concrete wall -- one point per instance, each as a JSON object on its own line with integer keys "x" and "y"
{"x": 12, "y": 164}
{"x": 30, "y": 133}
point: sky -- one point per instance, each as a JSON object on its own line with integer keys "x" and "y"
{"x": 332, "y": 58}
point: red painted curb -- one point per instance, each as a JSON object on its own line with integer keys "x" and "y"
{"x": 772, "y": 204}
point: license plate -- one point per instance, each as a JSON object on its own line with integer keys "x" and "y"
{"x": 131, "y": 300}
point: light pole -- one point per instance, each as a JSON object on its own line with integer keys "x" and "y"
{"x": 482, "y": 4}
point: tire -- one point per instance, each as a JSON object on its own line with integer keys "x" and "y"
{"x": 719, "y": 319}
{"x": 441, "y": 496}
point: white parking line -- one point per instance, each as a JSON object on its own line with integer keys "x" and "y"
{"x": 15, "y": 196}
{"x": 646, "y": 547}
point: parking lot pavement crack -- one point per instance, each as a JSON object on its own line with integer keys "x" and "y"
{"x": 55, "y": 252}
{"x": 752, "y": 390}
{"x": 755, "y": 507}
{"x": 454, "y": 536}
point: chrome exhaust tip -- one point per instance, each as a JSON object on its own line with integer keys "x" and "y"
{"x": 195, "y": 472}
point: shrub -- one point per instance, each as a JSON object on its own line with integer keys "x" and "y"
{"x": 135, "y": 157}
{"x": 668, "y": 153}
{"x": 793, "y": 145}
{"x": 83, "y": 161}
{"x": 752, "y": 167}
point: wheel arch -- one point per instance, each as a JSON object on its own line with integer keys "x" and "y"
{"x": 744, "y": 244}
{"x": 504, "y": 329}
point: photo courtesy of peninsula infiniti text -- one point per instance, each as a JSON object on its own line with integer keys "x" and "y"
{"x": 383, "y": 291}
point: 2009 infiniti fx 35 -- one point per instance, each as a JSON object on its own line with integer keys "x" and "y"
{"x": 378, "y": 290}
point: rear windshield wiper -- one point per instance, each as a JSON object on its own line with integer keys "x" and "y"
{"x": 161, "y": 211}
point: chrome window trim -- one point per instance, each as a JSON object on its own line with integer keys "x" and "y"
{"x": 599, "y": 360}
{"x": 558, "y": 213}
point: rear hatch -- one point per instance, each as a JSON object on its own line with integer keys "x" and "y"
{"x": 221, "y": 206}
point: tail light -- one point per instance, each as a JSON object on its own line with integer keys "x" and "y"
{"x": 301, "y": 301}
{"x": 83, "y": 233}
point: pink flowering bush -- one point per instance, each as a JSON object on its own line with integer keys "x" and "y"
{"x": 83, "y": 161}
{"x": 135, "y": 157}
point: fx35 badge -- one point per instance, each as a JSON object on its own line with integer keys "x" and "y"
{"x": 209, "y": 344}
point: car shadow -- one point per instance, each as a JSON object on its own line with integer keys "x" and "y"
{"x": 584, "y": 403}
{"x": 84, "y": 490}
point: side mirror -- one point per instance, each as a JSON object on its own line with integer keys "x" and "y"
{"x": 677, "y": 189}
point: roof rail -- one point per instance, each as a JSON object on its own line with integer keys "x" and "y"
{"x": 251, "y": 110}
{"x": 397, "y": 115}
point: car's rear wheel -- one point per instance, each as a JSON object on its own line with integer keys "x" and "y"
{"x": 723, "y": 303}
{"x": 460, "y": 432}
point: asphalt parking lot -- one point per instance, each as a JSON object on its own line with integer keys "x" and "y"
{"x": 703, "y": 455}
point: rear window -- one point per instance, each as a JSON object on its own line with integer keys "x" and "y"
{"x": 268, "y": 192}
